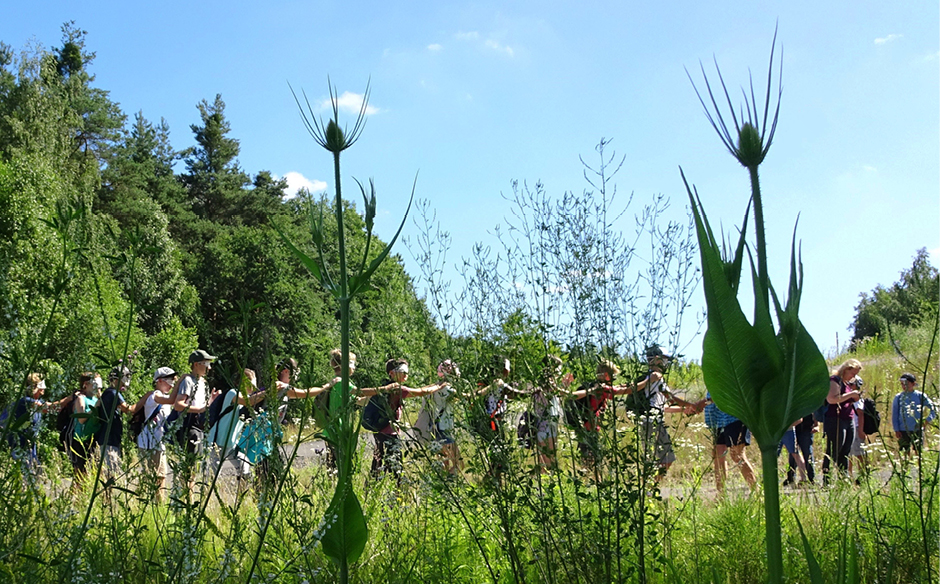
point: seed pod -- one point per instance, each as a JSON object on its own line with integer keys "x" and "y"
{"x": 335, "y": 140}
{"x": 750, "y": 150}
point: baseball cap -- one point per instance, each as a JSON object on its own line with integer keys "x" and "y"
{"x": 909, "y": 377}
{"x": 162, "y": 372}
{"x": 200, "y": 355}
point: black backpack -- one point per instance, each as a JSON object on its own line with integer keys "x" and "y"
{"x": 871, "y": 419}
{"x": 65, "y": 422}
{"x": 526, "y": 431}
{"x": 638, "y": 401}
{"x": 377, "y": 414}
{"x": 577, "y": 411}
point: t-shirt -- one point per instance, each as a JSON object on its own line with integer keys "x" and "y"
{"x": 111, "y": 401}
{"x": 86, "y": 427}
{"x": 151, "y": 436}
{"x": 194, "y": 388}
{"x": 395, "y": 399}
{"x": 438, "y": 404}
{"x": 598, "y": 399}
{"x": 26, "y": 407}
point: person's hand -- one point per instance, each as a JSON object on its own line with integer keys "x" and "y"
{"x": 281, "y": 384}
{"x": 655, "y": 376}
{"x": 815, "y": 428}
{"x": 852, "y": 395}
{"x": 567, "y": 380}
{"x": 897, "y": 435}
{"x": 690, "y": 410}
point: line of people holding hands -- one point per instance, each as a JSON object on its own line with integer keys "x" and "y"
{"x": 243, "y": 424}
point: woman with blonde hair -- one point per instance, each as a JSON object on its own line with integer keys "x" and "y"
{"x": 838, "y": 423}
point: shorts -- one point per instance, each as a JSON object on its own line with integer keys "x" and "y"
{"x": 858, "y": 445}
{"x": 154, "y": 462}
{"x": 441, "y": 437}
{"x": 655, "y": 436}
{"x": 908, "y": 439}
{"x": 734, "y": 434}
{"x": 789, "y": 441}
{"x": 546, "y": 430}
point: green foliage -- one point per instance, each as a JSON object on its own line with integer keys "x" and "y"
{"x": 912, "y": 300}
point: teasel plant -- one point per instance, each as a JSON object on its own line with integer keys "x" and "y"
{"x": 343, "y": 532}
{"x": 767, "y": 378}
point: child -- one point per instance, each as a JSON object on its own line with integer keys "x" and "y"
{"x": 908, "y": 415}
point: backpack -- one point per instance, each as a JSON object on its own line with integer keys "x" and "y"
{"x": 377, "y": 414}
{"x": 65, "y": 422}
{"x": 820, "y": 414}
{"x": 638, "y": 401}
{"x": 526, "y": 432}
{"x": 871, "y": 419}
{"x": 577, "y": 411}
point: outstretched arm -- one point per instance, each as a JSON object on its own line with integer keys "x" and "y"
{"x": 370, "y": 391}
{"x": 426, "y": 390}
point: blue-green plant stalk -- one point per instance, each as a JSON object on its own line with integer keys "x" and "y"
{"x": 766, "y": 379}
{"x": 343, "y": 532}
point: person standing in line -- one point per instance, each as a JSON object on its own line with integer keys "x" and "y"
{"x": 858, "y": 462}
{"x": 383, "y": 412}
{"x": 729, "y": 436}
{"x": 157, "y": 405}
{"x": 657, "y": 399}
{"x": 190, "y": 402}
{"x": 84, "y": 426}
{"x": 111, "y": 424}
{"x": 434, "y": 426}
{"x": 911, "y": 409}
{"x": 803, "y": 433}
{"x": 545, "y": 412}
{"x": 838, "y": 424}
{"x": 26, "y": 416}
{"x": 585, "y": 407}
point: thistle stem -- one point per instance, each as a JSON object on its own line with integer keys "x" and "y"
{"x": 762, "y": 276}
{"x": 774, "y": 547}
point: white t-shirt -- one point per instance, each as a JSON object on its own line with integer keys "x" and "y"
{"x": 151, "y": 437}
{"x": 196, "y": 389}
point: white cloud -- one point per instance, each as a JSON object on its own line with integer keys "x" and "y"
{"x": 434, "y": 47}
{"x": 888, "y": 39}
{"x": 491, "y": 44}
{"x": 487, "y": 43}
{"x": 349, "y": 103}
{"x": 297, "y": 181}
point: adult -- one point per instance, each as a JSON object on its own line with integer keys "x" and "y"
{"x": 435, "y": 424}
{"x": 187, "y": 420}
{"x": 111, "y": 425}
{"x": 803, "y": 433}
{"x": 730, "y": 437}
{"x": 838, "y": 425}
{"x": 545, "y": 411}
{"x": 25, "y": 422}
{"x": 652, "y": 398}
{"x": 911, "y": 409}
{"x": 322, "y": 405}
{"x": 383, "y": 412}
{"x": 586, "y": 405}
{"x": 226, "y": 424}
{"x": 157, "y": 406}
{"x": 84, "y": 425}
{"x": 858, "y": 462}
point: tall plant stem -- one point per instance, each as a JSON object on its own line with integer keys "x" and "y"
{"x": 768, "y": 456}
{"x": 344, "y": 444}
{"x": 761, "y": 239}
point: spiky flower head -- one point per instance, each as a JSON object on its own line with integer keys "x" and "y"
{"x": 754, "y": 133}
{"x": 330, "y": 135}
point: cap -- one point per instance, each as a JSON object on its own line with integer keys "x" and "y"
{"x": 163, "y": 372}
{"x": 200, "y": 355}
{"x": 909, "y": 377}
{"x": 858, "y": 381}
{"x": 655, "y": 350}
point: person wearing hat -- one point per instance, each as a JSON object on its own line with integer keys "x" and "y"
{"x": 656, "y": 398}
{"x": 191, "y": 400}
{"x": 385, "y": 404}
{"x": 26, "y": 420}
{"x": 157, "y": 405}
{"x": 910, "y": 410}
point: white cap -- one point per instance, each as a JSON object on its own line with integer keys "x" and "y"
{"x": 163, "y": 372}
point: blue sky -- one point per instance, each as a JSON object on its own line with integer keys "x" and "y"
{"x": 474, "y": 95}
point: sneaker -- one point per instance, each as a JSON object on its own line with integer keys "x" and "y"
{"x": 788, "y": 481}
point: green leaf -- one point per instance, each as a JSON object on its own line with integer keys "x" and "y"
{"x": 815, "y": 573}
{"x": 346, "y": 532}
{"x": 360, "y": 280}
{"x": 306, "y": 260}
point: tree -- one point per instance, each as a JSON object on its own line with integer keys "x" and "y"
{"x": 908, "y": 302}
